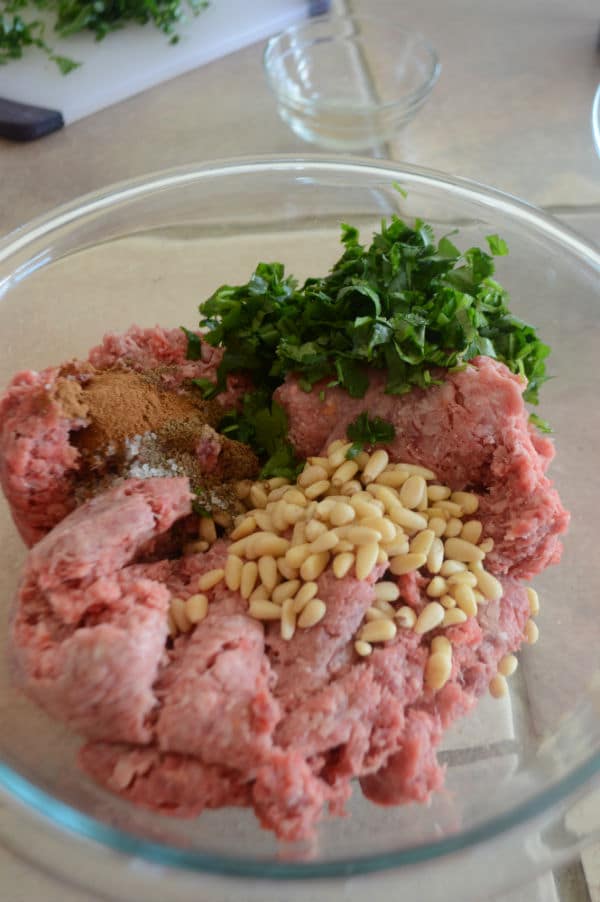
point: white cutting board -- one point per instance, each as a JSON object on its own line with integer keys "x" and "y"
{"x": 137, "y": 57}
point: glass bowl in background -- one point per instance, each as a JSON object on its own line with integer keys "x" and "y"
{"x": 596, "y": 120}
{"x": 349, "y": 82}
{"x": 149, "y": 251}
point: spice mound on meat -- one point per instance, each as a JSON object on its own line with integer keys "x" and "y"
{"x": 280, "y": 556}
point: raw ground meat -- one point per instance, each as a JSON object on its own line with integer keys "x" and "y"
{"x": 231, "y": 714}
{"x": 40, "y": 463}
{"x": 472, "y": 431}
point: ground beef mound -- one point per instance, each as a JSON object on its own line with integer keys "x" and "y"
{"x": 230, "y": 714}
{"x": 472, "y": 431}
{"x": 130, "y": 409}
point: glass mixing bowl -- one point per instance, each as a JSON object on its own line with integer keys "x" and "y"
{"x": 149, "y": 251}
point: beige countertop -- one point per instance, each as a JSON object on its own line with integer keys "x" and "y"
{"x": 512, "y": 108}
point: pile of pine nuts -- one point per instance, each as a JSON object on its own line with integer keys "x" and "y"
{"x": 355, "y": 515}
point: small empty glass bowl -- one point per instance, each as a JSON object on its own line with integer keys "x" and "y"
{"x": 349, "y": 82}
{"x": 596, "y": 120}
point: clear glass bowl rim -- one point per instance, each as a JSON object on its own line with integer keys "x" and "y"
{"x": 596, "y": 120}
{"x": 404, "y": 102}
{"x": 19, "y": 791}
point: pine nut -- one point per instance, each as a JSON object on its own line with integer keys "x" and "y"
{"x": 207, "y": 530}
{"x": 238, "y": 548}
{"x": 385, "y": 606}
{"x": 365, "y": 509}
{"x": 375, "y": 614}
{"x": 438, "y": 525}
{"x": 440, "y": 645}
{"x": 417, "y": 470}
{"x": 498, "y": 686}
{"x": 375, "y": 466}
{"x": 358, "y": 535}
{"x": 304, "y": 595}
{"x": 363, "y": 649}
{"x": 292, "y": 513}
{"x": 412, "y": 491}
{"x": 263, "y": 520}
{"x": 438, "y": 492}
{"x": 264, "y": 610}
{"x": 344, "y": 545}
{"x": 532, "y": 633}
{"x": 242, "y": 488}
{"x": 406, "y": 563}
{"x": 319, "y": 462}
{"x": 196, "y": 608}
{"x": 450, "y": 508}
{"x": 453, "y": 528}
{"x": 409, "y": 520}
{"x": 487, "y": 545}
{"x": 223, "y": 519}
{"x": 406, "y": 617}
{"x": 337, "y": 457}
{"x": 298, "y": 533}
{"x": 459, "y": 550}
{"x": 398, "y": 546}
{"x": 471, "y": 531}
{"x": 314, "y": 565}
{"x": 386, "y": 591}
{"x": 378, "y": 631}
{"x": 195, "y": 547}
{"x": 437, "y": 671}
{"x": 267, "y": 570}
{"x": 258, "y": 496}
{"x": 435, "y": 558}
{"x": 465, "y": 578}
{"x": 467, "y": 500}
{"x": 313, "y": 530}
{"x": 344, "y": 473}
{"x": 534, "y": 601}
{"x": 246, "y": 526}
{"x": 288, "y": 619}
{"x": 366, "y": 559}
{"x": 275, "y": 495}
{"x": 447, "y": 602}
{"x": 437, "y": 587}
{"x": 438, "y": 514}
{"x": 449, "y": 568}
{"x": 507, "y": 665}
{"x": 465, "y": 599}
{"x": 312, "y": 613}
{"x": 179, "y": 615}
{"x": 453, "y": 617}
{"x": 350, "y": 488}
{"x": 362, "y": 459}
{"x": 422, "y": 542}
{"x": 210, "y": 579}
{"x": 324, "y": 542}
{"x": 341, "y": 514}
{"x": 479, "y": 598}
{"x": 248, "y": 580}
{"x": 342, "y": 564}
{"x": 392, "y": 478}
{"x": 430, "y": 617}
{"x": 297, "y": 554}
{"x": 488, "y": 585}
{"x": 387, "y": 496}
{"x": 312, "y": 474}
{"x": 233, "y": 572}
{"x": 261, "y": 543}
{"x": 294, "y": 496}
{"x": 317, "y": 488}
{"x": 286, "y": 571}
{"x": 277, "y": 481}
{"x": 261, "y": 593}
{"x": 382, "y": 525}
{"x": 285, "y": 590}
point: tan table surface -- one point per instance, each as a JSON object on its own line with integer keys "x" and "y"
{"x": 512, "y": 109}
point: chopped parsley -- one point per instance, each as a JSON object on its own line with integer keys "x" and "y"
{"x": 19, "y": 30}
{"x": 405, "y": 304}
{"x": 262, "y": 424}
{"x": 366, "y": 431}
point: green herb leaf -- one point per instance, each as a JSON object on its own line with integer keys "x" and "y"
{"x": 498, "y": 247}
{"x": 366, "y": 431}
{"x": 194, "y": 344}
{"x": 262, "y": 424}
{"x": 542, "y": 425}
